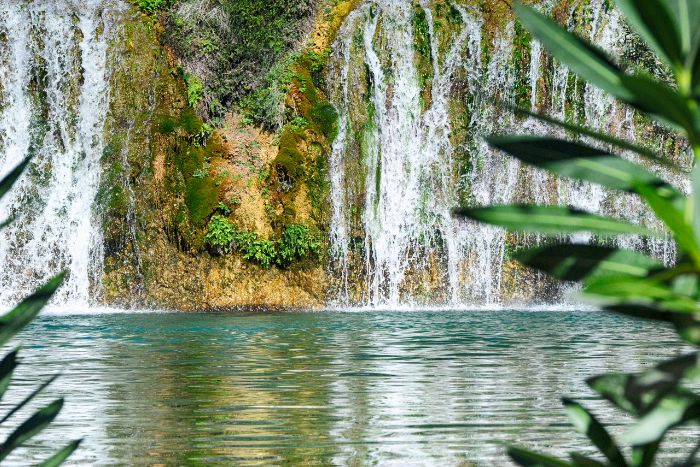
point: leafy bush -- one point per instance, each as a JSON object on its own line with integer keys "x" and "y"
{"x": 234, "y": 44}
{"x": 296, "y": 243}
{"x": 623, "y": 281}
{"x": 151, "y": 6}
{"x": 10, "y": 324}
{"x": 221, "y": 234}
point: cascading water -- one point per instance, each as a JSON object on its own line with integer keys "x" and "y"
{"x": 410, "y": 148}
{"x": 53, "y": 103}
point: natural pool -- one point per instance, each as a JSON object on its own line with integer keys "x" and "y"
{"x": 402, "y": 388}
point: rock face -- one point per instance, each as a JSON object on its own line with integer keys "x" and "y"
{"x": 167, "y": 173}
{"x": 328, "y": 174}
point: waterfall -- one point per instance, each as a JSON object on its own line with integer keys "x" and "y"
{"x": 411, "y": 148}
{"x": 53, "y": 104}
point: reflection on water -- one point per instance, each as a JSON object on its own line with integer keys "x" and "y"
{"x": 344, "y": 388}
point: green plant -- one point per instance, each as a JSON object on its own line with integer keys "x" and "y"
{"x": 151, "y": 6}
{"x": 10, "y": 324}
{"x": 296, "y": 243}
{"x": 221, "y": 234}
{"x": 623, "y": 281}
{"x": 195, "y": 89}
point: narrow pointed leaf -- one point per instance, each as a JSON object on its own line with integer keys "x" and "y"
{"x": 626, "y": 290}
{"x": 34, "y": 425}
{"x": 61, "y": 456}
{"x": 583, "y": 58}
{"x": 574, "y": 262}
{"x": 695, "y": 199}
{"x": 579, "y": 460}
{"x": 600, "y": 136}
{"x": 658, "y": 99}
{"x": 673, "y": 410}
{"x": 579, "y": 161}
{"x": 638, "y": 394}
{"x": 687, "y": 16}
{"x": 526, "y": 458}
{"x": 667, "y": 209}
{"x": 14, "y": 321}
{"x": 587, "y": 424}
{"x": 10, "y": 179}
{"x": 653, "y": 21}
{"x": 551, "y": 220}
{"x": 7, "y": 368}
{"x": 645, "y": 455}
{"x": 29, "y": 398}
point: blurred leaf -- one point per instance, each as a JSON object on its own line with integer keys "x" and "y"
{"x": 575, "y": 262}
{"x": 60, "y": 457}
{"x": 10, "y": 179}
{"x": 34, "y": 425}
{"x": 14, "y": 321}
{"x": 627, "y": 290}
{"x": 587, "y": 424}
{"x": 604, "y": 137}
{"x": 551, "y": 220}
{"x": 583, "y": 58}
{"x": 644, "y": 455}
{"x": 581, "y": 162}
{"x": 638, "y": 394}
{"x": 671, "y": 411}
{"x": 674, "y": 218}
{"x": 687, "y": 16}
{"x": 652, "y": 20}
{"x": 579, "y": 460}
{"x": 660, "y": 100}
{"x": 526, "y": 458}
{"x": 7, "y": 367}
{"x": 27, "y": 399}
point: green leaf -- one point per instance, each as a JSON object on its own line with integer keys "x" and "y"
{"x": 587, "y": 424}
{"x": 627, "y": 290}
{"x": 652, "y": 20}
{"x": 673, "y": 410}
{"x": 29, "y": 398}
{"x": 638, "y": 394}
{"x": 34, "y": 425}
{"x": 662, "y": 101}
{"x": 575, "y": 262}
{"x": 526, "y": 458}
{"x": 671, "y": 212}
{"x": 687, "y": 16}
{"x": 583, "y": 58}
{"x": 581, "y": 162}
{"x": 687, "y": 324}
{"x": 10, "y": 179}
{"x": 579, "y": 460}
{"x": 644, "y": 455}
{"x": 551, "y": 220}
{"x": 61, "y": 456}
{"x": 7, "y": 368}
{"x": 14, "y": 321}
{"x": 604, "y": 137}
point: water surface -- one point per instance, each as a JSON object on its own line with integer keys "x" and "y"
{"x": 403, "y": 388}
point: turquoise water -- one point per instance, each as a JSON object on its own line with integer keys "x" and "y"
{"x": 402, "y": 388}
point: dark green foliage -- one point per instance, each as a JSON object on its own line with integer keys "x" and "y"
{"x": 238, "y": 44}
{"x": 297, "y": 243}
{"x": 10, "y": 324}
{"x": 621, "y": 281}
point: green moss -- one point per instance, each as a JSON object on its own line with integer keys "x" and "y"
{"x": 521, "y": 63}
{"x": 202, "y": 199}
{"x": 326, "y": 117}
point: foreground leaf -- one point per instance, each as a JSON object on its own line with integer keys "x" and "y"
{"x": 29, "y": 398}
{"x": 580, "y": 162}
{"x": 653, "y": 21}
{"x": 9, "y": 180}
{"x": 61, "y": 456}
{"x": 7, "y": 368}
{"x": 34, "y": 425}
{"x": 14, "y": 321}
{"x": 551, "y": 220}
{"x": 583, "y": 58}
{"x": 587, "y": 424}
{"x": 575, "y": 262}
{"x": 673, "y": 410}
{"x": 527, "y": 458}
